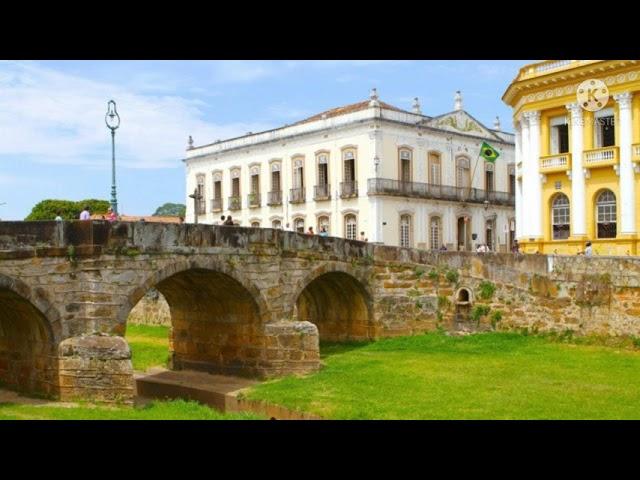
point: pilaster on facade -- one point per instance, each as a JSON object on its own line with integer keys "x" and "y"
{"x": 577, "y": 174}
{"x": 626, "y": 170}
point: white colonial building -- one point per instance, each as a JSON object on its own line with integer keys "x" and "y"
{"x": 401, "y": 177}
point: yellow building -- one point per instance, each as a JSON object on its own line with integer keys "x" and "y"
{"x": 577, "y": 154}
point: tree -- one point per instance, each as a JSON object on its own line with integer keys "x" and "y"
{"x": 171, "y": 210}
{"x": 69, "y": 210}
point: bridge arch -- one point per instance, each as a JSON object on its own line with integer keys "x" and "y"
{"x": 29, "y": 335}
{"x": 217, "y": 315}
{"x": 337, "y": 299}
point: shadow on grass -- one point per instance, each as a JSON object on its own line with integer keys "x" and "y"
{"x": 328, "y": 349}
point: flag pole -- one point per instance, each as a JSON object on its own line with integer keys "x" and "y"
{"x": 473, "y": 173}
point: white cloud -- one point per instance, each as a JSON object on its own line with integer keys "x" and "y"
{"x": 58, "y": 118}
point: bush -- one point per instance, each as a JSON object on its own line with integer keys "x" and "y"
{"x": 69, "y": 210}
{"x": 478, "y": 312}
{"x": 433, "y": 275}
{"x": 452, "y": 276}
{"x": 486, "y": 289}
{"x": 496, "y": 317}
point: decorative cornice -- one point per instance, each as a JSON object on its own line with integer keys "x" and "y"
{"x": 575, "y": 109}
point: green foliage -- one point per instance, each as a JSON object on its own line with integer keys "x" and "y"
{"x": 452, "y": 276}
{"x": 496, "y": 317}
{"x": 171, "y": 210}
{"x": 636, "y": 341}
{"x": 486, "y": 289}
{"x": 430, "y": 376}
{"x": 433, "y": 275}
{"x": 443, "y": 302}
{"x": 419, "y": 272}
{"x": 479, "y": 311}
{"x": 69, "y": 210}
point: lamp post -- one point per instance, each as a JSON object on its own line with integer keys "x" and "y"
{"x": 112, "y": 119}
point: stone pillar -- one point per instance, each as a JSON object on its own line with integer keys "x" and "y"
{"x": 531, "y": 177}
{"x": 627, "y": 180}
{"x": 578, "y": 200}
{"x": 291, "y": 348}
{"x": 95, "y": 368}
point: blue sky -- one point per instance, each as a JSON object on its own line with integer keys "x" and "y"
{"x": 54, "y": 143}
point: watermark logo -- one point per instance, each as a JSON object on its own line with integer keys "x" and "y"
{"x": 593, "y": 95}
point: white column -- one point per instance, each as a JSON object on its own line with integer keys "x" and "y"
{"x": 519, "y": 204}
{"x": 531, "y": 176}
{"x": 525, "y": 224}
{"x": 375, "y": 202}
{"x": 627, "y": 181}
{"x": 578, "y": 201}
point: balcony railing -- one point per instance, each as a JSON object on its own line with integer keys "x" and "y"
{"x": 235, "y": 203}
{"x": 348, "y": 189}
{"x": 296, "y": 195}
{"x": 253, "y": 199}
{"x": 635, "y": 152}
{"x": 274, "y": 198}
{"x": 386, "y": 186}
{"x": 555, "y": 163}
{"x": 600, "y": 157}
{"x": 322, "y": 192}
{"x": 216, "y": 205}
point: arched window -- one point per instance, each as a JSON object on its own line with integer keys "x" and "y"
{"x": 298, "y": 225}
{"x": 435, "y": 233}
{"x": 435, "y": 169}
{"x": 560, "y": 215}
{"x": 405, "y": 164}
{"x": 463, "y": 175}
{"x": 489, "y": 234}
{"x": 255, "y": 224}
{"x": 606, "y": 214}
{"x": 276, "y": 224}
{"x": 405, "y": 230}
{"x": 350, "y": 227}
{"x": 489, "y": 181}
{"x": 201, "y": 208}
{"x": 323, "y": 222}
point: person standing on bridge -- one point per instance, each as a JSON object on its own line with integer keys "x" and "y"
{"x": 111, "y": 215}
{"x": 228, "y": 221}
{"x": 58, "y": 216}
{"x": 85, "y": 214}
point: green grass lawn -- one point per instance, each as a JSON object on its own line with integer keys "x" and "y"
{"x": 483, "y": 376}
{"x": 157, "y": 410}
{"x": 149, "y": 346}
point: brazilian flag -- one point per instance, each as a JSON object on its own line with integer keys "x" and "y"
{"x": 488, "y": 152}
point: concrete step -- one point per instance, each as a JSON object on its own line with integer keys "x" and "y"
{"x": 217, "y": 391}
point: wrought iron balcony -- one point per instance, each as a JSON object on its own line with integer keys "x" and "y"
{"x": 296, "y": 195}
{"x": 322, "y": 192}
{"x": 600, "y": 157}
{"x": 216, "y": 205}
{"x": 348, "y": 189}
{"x": 253, "y": 199}
{"x": 555, "y": 163}
{"x": 274, "y": 198}
{"x": 235, "y": 203}
{"x": 397, "y": 188}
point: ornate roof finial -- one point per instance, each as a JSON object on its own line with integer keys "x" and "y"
{"x": 496, "y": 124}
{"x": 457, "y": 101}
{"x": 416, "y": 106}
{"x": 374, "y": 98}
{"x": 190, "y": 147}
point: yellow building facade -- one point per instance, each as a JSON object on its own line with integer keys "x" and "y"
{"x": 577, "y": 156}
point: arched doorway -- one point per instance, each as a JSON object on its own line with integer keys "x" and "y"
{"x": 27, "y": 347}
{"x": 463, "y": 230}
{"x": 338, "y": 305}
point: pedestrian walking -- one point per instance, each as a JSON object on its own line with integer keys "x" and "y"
{"x": 310, "y": 231}
{"x": 59, "y": 216}
{"x": 515, "y": 248}
{"x": 323, "y": 232}
{"x": 588, "y": 251}
{"x": 362, "y": 237}
{"x": 111, "y": 215}
{"x": 228, "y": 221}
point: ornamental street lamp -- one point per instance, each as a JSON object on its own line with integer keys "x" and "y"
{"x": 112, "y": 119}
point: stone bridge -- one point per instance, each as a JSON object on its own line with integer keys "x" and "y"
{"x": 257, "y": 302}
